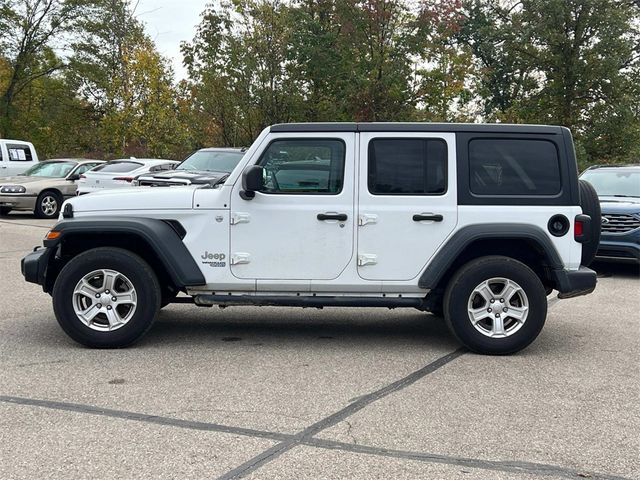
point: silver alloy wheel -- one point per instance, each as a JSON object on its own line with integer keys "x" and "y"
{"x": 104, "y": 300}
{"x": 498, "y": 307}
{"x": 49, "y": 205}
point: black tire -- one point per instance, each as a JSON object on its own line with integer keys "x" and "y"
{"x": 48, "y": 204}
{"x": 590, "y": 205}
{"x": 135, "y": 269}
{"x": 5, "y": 211}
{"x": 460, "y": 290}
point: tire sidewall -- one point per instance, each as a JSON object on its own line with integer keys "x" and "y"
{"x": 130, "y": 265}
{"x": 472, "y": 275}
{"x": 40, "y": 212}
{"x": 590, "y": 205}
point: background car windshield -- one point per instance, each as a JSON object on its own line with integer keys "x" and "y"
{"x": 611, "y": 182}
{"x": 50, "y": 169}
{"x": 119, "y": 167}
{"x": 212, "y": 161}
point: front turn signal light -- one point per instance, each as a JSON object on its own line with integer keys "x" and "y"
{"x": 52, "y": 235}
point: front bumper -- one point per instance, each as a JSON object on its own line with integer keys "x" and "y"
{"x": 18, "y": 202}
{"x": 619, "y": 250}
{"x": 573, "y": 283}
{"x": 34, "y": 266}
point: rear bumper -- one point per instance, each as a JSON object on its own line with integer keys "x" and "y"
{"x": 34, "y": 265}
{"x": 573, "y": 283}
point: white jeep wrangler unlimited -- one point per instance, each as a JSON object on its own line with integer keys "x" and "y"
{"x": 474, "y": 222}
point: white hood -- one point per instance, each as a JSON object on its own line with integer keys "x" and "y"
{"x": 141, "y": 198}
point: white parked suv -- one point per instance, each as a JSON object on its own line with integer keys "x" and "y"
{"x": 478, "y": 223}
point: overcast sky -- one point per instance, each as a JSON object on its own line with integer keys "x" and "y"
{"x": 169, "y": 22}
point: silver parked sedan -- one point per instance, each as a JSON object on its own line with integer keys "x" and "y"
{"x": 43, "y": 187}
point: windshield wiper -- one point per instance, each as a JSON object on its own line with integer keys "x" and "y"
{"x": 220, "y": 180}
{"x": 624, "y": 196}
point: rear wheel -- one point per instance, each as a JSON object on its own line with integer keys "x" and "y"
{"x": 48, "y": 205}
{"x": 106, "y": 298}
{"x": 590, "y": 205}
{"x": 495, "y": 305}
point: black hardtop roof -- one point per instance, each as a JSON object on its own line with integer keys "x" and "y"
{"x": 415, "y": 127}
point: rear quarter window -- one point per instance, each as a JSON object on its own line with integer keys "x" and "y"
{"x": 118, "y": 167}
{"x": 19, "y": 153}
{"x": 520, "y": 167}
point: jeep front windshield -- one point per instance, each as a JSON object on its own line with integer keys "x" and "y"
{"x": 50, "y": 169}
{"x": 614, "y": 182}
{"x": 212, "y": 161}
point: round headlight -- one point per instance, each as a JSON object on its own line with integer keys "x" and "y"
{"x": 13, "y": 189}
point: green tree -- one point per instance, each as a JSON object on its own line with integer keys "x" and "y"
{"x": 383, "y": 45}
{"x": 49, "y": 114}
{"x": 239, "y": 69}
{"x": 445, "y": 73}
{"x": 116, "y": 68}
{"x": 566, "y": 62}
{"x": 321, "y": 58}
{"x": 28, "y": 31}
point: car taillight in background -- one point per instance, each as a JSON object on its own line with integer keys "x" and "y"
{"x": 124, "y": 179}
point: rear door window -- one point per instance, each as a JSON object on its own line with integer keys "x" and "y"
{"x": 407, "y": 166}
{"x": 500, "y": 166}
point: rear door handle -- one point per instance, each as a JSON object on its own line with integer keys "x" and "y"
{"x": 333, "y": 216}
{"x": 434, "y": 217}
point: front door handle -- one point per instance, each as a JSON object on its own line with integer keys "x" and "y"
{"x": 333, "y": 216}
{"x": 419, "y": 217}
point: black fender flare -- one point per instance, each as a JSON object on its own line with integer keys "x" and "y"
{"x": 464, "y": 237}
{"x": 164, "y": 237}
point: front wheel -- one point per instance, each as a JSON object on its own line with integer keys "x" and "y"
{"x": 495, "y": 305}
{"x": 48, "y": 205}
{"x": 4, "y": 211}
{"x": 106, "y": 298}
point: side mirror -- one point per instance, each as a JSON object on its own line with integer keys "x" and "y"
{"x": 73, "y": 177}
{"x": 252, "y": 181}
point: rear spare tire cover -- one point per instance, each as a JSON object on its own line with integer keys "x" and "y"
{"x": 590, "y": 205}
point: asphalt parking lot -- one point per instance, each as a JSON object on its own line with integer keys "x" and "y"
{"x": 339, "y": 393}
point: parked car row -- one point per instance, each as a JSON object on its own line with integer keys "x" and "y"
{"x": 42, "y": 187}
